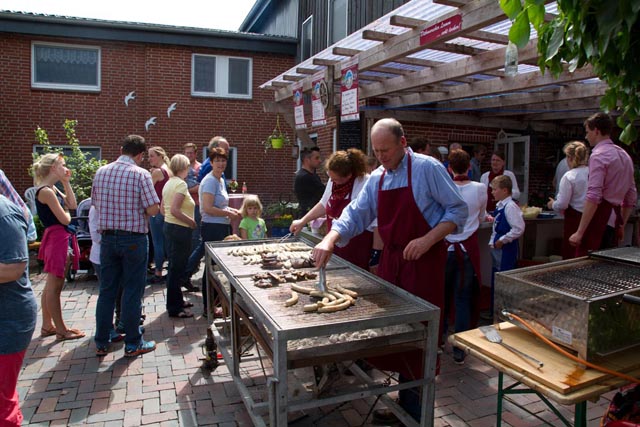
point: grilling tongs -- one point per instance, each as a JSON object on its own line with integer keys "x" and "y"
{"x": 494, "y": 336}
{"x": 322, "y": 280}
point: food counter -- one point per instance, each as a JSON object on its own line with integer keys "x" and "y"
{"x": 384, "y": 320}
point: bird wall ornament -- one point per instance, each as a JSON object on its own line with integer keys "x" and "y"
{"x": 151, "y": 121}
{"x": 171, "y": 108}
{"x": 129, "y": 97}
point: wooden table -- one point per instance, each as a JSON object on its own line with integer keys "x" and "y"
{"x": 561, "y": 379}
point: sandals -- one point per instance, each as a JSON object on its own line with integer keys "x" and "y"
{"x": 182, "y": 315}
{"x": 47, "y": 332}
{"x": 70, "y": 334}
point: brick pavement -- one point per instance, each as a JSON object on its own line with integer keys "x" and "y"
{"x": 63, "y": 383}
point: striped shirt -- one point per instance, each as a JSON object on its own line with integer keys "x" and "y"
{"x": 121, "y": 193}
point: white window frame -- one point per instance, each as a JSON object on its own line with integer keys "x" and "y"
{"x": 507, "y": 143}
{"x": 222, "y": 77}
{"x": 94, "y": 150}
{"x": 331, "y": 22}
{"x": 306, "y": 22}
{"x": 66, "y": 86}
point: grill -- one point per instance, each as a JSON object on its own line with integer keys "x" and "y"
{"x": 578, "y": 303}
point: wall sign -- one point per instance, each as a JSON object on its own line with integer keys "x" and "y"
{"x": 349, "y": 91}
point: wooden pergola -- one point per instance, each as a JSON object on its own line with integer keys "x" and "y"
{"x": 457, "y": 78}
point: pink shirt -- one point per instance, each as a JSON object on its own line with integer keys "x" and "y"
{"x": 611, "y": 175}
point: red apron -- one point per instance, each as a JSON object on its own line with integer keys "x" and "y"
{"x": 473, "y": 250}
{"x": 592, "y": 238}
{"x": 399, "y": 222}
{"x": 571, "y": 223}
{"x": 358, "y": 250}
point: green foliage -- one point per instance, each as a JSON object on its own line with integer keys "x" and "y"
{"x": 602, "y": 33}
{"x": 82, "y": 166}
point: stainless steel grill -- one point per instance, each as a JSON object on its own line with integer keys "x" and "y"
{"x": 578, "y": 303}
{"x": 588, "y": 280}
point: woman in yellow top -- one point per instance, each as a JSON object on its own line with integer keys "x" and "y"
{"x": 178, "y": 210}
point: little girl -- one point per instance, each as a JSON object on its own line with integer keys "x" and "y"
{"x": 252, "y": 227}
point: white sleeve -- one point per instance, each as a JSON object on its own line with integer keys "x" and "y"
{"x": 482, "y": 202}
{"x": 327, "y": 193}
{"x": 515, "y": 220}
{"x": 565, "y": 193}
{"x": 96, "y": 237}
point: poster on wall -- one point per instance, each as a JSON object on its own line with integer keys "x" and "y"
{"x": 298, "y": 105}
{"x": 319, "y": 99}
{"x": 349, "y": 91}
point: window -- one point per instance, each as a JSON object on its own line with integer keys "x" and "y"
{"x": 65, "y": 67}
{"x": 93, "y": 152}
{"x": 516, "y": 150}
{"x": 337, "y": 21}
{"x": 307, "y": 39}
{"x": 221, "y": 76}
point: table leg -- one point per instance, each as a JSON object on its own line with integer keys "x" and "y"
{"x": 580, "y": 419}
{"x": 500, "y": 396}
{"x": 281, "y": 386}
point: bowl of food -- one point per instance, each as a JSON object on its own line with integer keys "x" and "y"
{"x": 531, "y": 212}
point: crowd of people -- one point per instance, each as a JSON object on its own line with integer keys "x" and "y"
{"x": 413, "y": 221}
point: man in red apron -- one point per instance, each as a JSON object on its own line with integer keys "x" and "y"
{"x": 611, "y": 188}
{"x": 417, "y": 205}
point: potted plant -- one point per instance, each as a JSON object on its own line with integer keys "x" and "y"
{"x": 280, "y": 225}
{"x": 277, "y": 139}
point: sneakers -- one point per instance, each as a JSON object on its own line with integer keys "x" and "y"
{"x": 142, "y": 348}
{"x": 120, "y": 329}
{"x": 115, "y": 336}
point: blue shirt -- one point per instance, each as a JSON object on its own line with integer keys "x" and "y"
{"x": 214, "y": 186}
{"x": 436, "y": 196}
{"x": 18, "y": 308}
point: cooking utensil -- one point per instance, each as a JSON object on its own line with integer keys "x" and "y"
{"x": 494, "y": 336}
{"x": 285, "y": 237}
{"x": 322, "y": 280}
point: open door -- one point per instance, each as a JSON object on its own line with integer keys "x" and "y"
{"x": 516, "y": 150}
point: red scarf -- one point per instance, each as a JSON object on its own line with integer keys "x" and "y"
{"x": 340, "y": 191}
{"x": 491, "y": 202}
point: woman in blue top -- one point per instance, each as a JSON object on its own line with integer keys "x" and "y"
{"x": 53, "y": 210}
{"x": 214, "y": 207}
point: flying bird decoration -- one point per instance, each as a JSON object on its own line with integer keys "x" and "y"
{"x": 151, "y": 121}
{"x": 129, "y": 97}
{"x": 171, "y": 108}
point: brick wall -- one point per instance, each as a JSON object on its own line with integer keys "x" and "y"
{"x": 160, "y": 75}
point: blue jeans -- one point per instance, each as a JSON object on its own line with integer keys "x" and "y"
{"x": 156, "y": 224}
{"x": 123, "y": 262}
{"x": 459, "y": 293}
{"x": 211, "y": 233}
{"x": 178, "y": 239}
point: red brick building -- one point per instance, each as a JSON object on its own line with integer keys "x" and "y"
{"x": 56, "y": 68}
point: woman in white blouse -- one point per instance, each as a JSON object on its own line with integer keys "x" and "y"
{"x": 572, "y": 192}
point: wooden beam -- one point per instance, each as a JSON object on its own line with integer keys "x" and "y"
{"x": 565, "y": 115}
{"x": 459, "y": 49}
{"x": 378, "y": 36}
{"x": 280, "y": 84}
{"x": 325, "y": 62}
{"x": 369, "y": 77}
{"x": 476, "y": 15}
{"x": 544, "y": 107}
{"x": 291, "y": 78}
{"x": 308, "y": 71}
{"x": 565, "y": 93}
{"x": 343, "y": 51}
{"x": 465, "y": 67}
{"x": 392, "y": 70}
{"x": 406, "y": 21}
{"x": 452, "y": 3}
{"x": 404, "y": 116}
{"x": 490, "y": 87}
{"x": 486, "y": 36}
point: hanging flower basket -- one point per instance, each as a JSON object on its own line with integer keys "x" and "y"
{"x": 277, "y": 139}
